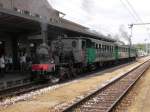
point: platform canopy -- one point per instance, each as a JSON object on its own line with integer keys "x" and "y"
{"x": 14, "y": 22}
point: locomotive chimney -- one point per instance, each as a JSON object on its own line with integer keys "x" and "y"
{"x": 44, "y": 32}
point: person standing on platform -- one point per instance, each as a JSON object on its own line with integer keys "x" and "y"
{"x": 23, "y": 62}
{"x": 6, "y": 58}
{"x": 2, "y": 66}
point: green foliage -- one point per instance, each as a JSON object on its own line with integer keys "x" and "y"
{"x": 140, "y": 46}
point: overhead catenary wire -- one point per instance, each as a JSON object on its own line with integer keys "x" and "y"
{"x": 136, "y": 15}
{"x": 129, "y": 11}
{"x": 133, "y": 10}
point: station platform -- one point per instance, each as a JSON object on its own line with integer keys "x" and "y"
{"x": 11, "y": 80}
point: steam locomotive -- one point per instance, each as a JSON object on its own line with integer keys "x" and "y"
{"x": 69, "y": 56}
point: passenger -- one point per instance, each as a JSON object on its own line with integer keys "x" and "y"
{"x": 6, "y": 58}
{"x": 2, "y": 66}
{"x": 23, "y": 62}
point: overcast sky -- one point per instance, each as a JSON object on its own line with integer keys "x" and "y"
{"x": 106, "y": 16}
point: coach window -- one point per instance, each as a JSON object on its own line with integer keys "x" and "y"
{"x": 103, "y": 48}
{"x": 97, "y": 46}
{"x": 83, "y": 44}
{"x": 110, "y": 48}
{"x": 106, "y": 48}
{"x": 93, "y": 45}
{"x": 100, "y": 46}
{"x": 74, "y": 44}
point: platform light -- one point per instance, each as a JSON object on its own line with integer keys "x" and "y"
{"x": 31, "y": 45}
{"x": 1, "y": 42}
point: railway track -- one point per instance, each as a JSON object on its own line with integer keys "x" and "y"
{"x": 107, "y": 97}
{"x": 22, "y": 90}
{"x": 32, "y": 86}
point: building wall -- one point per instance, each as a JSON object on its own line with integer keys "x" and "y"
{"x": 40, "y": 7}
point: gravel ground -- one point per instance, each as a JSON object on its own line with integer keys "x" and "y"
{"x": 138, "y": 98}
{"x": 51, "y": 98}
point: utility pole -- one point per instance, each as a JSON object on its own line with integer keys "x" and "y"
{"x": 131, "y": 27}
{"x": 131, "y": 30}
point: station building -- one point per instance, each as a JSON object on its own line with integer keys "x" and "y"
{"x": 21, "y": 25}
